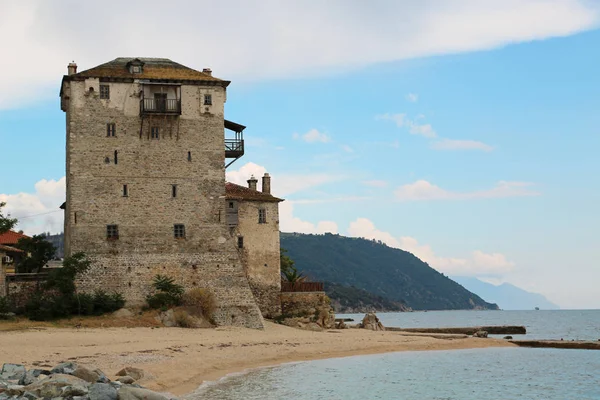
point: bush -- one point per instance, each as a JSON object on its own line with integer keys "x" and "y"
{"x": 183, "y": 319}
{"x": 5, "y": 307}
{"x": 169, "y": 294}
{"x": 201, "y": 301}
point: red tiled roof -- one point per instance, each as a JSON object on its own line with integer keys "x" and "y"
{"x": 237, "y": 192}
{"x": 153, "y": 69}
{"x": 11, "y": 237}
{"x": 10, "y": 249}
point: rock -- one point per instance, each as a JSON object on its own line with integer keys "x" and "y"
{"x": 12, "y": 372}
{"x": 126, "y": 380}
{"x": 135, "y": 373}
{"x": 508, "y": 337}
{"x": 74, "y": 390}
{"x": 89, "y": 375}
{"x": 14, "y": 390}
{"x": 32, "y": 376}
{"x": 122, "y": 313}
{"x": 131, "y": 393}
{"x": 370, "y": 321}
{"x": 480, "y": 334}
{"x": 53, "y": 385}
{"x": 64, "y": 368}
{"x": 102, "y": 391}
{"x": 29, "y": 396}
{"x": 167, "y": 318}
{"x": 313, "y": 326}
{"x": 341, "y": 325}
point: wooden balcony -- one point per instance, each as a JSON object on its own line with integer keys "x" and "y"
{"x": 160, "y": 107}
{"x": 234, "y": 148}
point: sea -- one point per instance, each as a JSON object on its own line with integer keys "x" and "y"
{"x": 492, "y": 373}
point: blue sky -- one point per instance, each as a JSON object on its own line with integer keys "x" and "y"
{"x": 479, "y": 155}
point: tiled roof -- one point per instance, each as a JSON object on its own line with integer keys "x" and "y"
{"x": 10, "y": 249}
{"x": 11, "y": 237}
{"x": 237, "y": 192}
{"x": 153, "y": 69}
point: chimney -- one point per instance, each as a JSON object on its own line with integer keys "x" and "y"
{"x": 252, "y": 182}
{"x": 207, "y": 71}
{"x": 266, "y": 184}
{"x": 72, "y": 68}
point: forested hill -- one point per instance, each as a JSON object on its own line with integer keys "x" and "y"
{"x": 381, "y": 270}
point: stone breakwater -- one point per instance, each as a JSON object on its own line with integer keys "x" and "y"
{"x": 72, "y": 381}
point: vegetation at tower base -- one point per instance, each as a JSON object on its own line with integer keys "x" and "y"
{"x": 38, "y": 252}
{"x": 393, "y": 274}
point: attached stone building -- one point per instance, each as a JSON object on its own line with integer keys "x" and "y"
{"x": 253, "y": 217}
{"x": 145, "y": 165}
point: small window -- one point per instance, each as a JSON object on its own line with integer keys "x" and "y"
{"x": 111, "y": 129}
{"x": 179, "y": 231}
{"x": 154, "y": 132}
{"x": 75, "y": 216}
{"x": 112, "y": 231}
{"x": 116, "y": 156}
{"x": 240, "y": 242}
{"x": 189, "y": 156}
{"x": 136, "y": 69}
{"x": 231, "y": 204}
{"x": 262, "y": 216}
{"x": 125, "y": 191}
{"x": 173, "y": 190}
{"x": 208, "y": 99}
{"x": 104, "y": 92}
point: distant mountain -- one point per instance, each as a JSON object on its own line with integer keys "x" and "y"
{"x": 507, "y": 296}
{"x": 383, "y": 271}
{"x": 351, "y": 300}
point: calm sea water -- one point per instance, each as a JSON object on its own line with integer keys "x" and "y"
{"x": 494, "y": 373}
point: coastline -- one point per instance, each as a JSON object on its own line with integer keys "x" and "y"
{"x": 180, "y": 360}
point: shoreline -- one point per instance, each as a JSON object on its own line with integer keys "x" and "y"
{"x": 180, "y": 360}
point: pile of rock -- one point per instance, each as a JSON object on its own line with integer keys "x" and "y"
{"x": 72, "y": 381}
{"x": 370, "y": 321}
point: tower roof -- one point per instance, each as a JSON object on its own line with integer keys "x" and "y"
{"x": 157, "y": 69}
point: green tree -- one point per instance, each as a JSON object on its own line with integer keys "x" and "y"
{"x": 288, "y": 270}
{"x": 38, "y": 252}
{"x": 6, "y": 223}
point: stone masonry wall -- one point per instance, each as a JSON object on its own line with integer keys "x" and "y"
{"x": 2, "y": 275}
{"x": 207, "y": 257}
{"x": 260, "y": 254}
{"x": 314, "y": 305}
{"x": 20, "y": 290}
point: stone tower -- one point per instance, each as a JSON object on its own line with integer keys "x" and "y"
{"x": 145, "y": 175}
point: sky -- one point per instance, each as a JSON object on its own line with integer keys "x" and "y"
{"x": 463, "y": 131}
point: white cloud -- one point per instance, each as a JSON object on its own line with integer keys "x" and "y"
{"x": 313, "y": 136}
{"x": 476, "y": 264}
{"x": 262, "y": 39}
{"x": 423, "y": 190}
{"x": 399, "y": 119}
{"x": 375, "y": 183}
{"x": 415, "y": 128}
{"x": 449, "y": 144}
{"x": 412, "y": 97}
{"x": 38, "y": 212}
{"x": 424, "y": 130}
{"x": 290, "y": 223}
{"x": 347, "y": 148}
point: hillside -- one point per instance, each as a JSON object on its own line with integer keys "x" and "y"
{"x": 507, "y": 296}
{"x": 381, "y": 270}
{"x": 350, "y": 300}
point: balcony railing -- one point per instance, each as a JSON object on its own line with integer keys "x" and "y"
{"x": 234, "y": 148}
{"x": 302, "y": 286}
{"x": 160, "y": 106}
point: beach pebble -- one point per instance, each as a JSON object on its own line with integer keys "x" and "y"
{"x": 126, "y": 379}
{"x": 64, "y": 368}
{"x": 102, "y": 391}
{"x": 135, "y": 373}
{"x": 89, "y": 375}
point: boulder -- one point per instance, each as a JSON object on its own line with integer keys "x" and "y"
{"x": 135, "y": 373}
{"x": 74, "y": 390}
{"x": 54, "y": 384}
{"x": 131, "y": 393}
{"x": 508, "y": 337}
{"x": 64, "y": 368}
{"x": 12, "y": 372}
{"x": 370, "y": 321}
{"x": 89, "y": 375}
{"x": 122, "y": 313}
{"x": 29, "y": 396}
{"x": 14, "y": 390}
{"x": 102, "y": 391}
{"x": 167, "y": 318}
{"x": 33, "y": 376}
{"x": 126, "y": 380}
{"x": 341, "y": 325}
{"x": 480, "y": 334}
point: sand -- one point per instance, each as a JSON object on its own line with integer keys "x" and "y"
{"x": 182, "y": 359}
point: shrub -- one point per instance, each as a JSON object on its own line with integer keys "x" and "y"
{"x": 5, "y": 308}
{"x": 183, "y": 319}
{"x": 84, "y": 304}
{"x": 169, "y": 294}
{"x": 201, "y": 301}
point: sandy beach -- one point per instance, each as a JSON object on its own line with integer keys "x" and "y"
{"x": 182, "y": 359}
